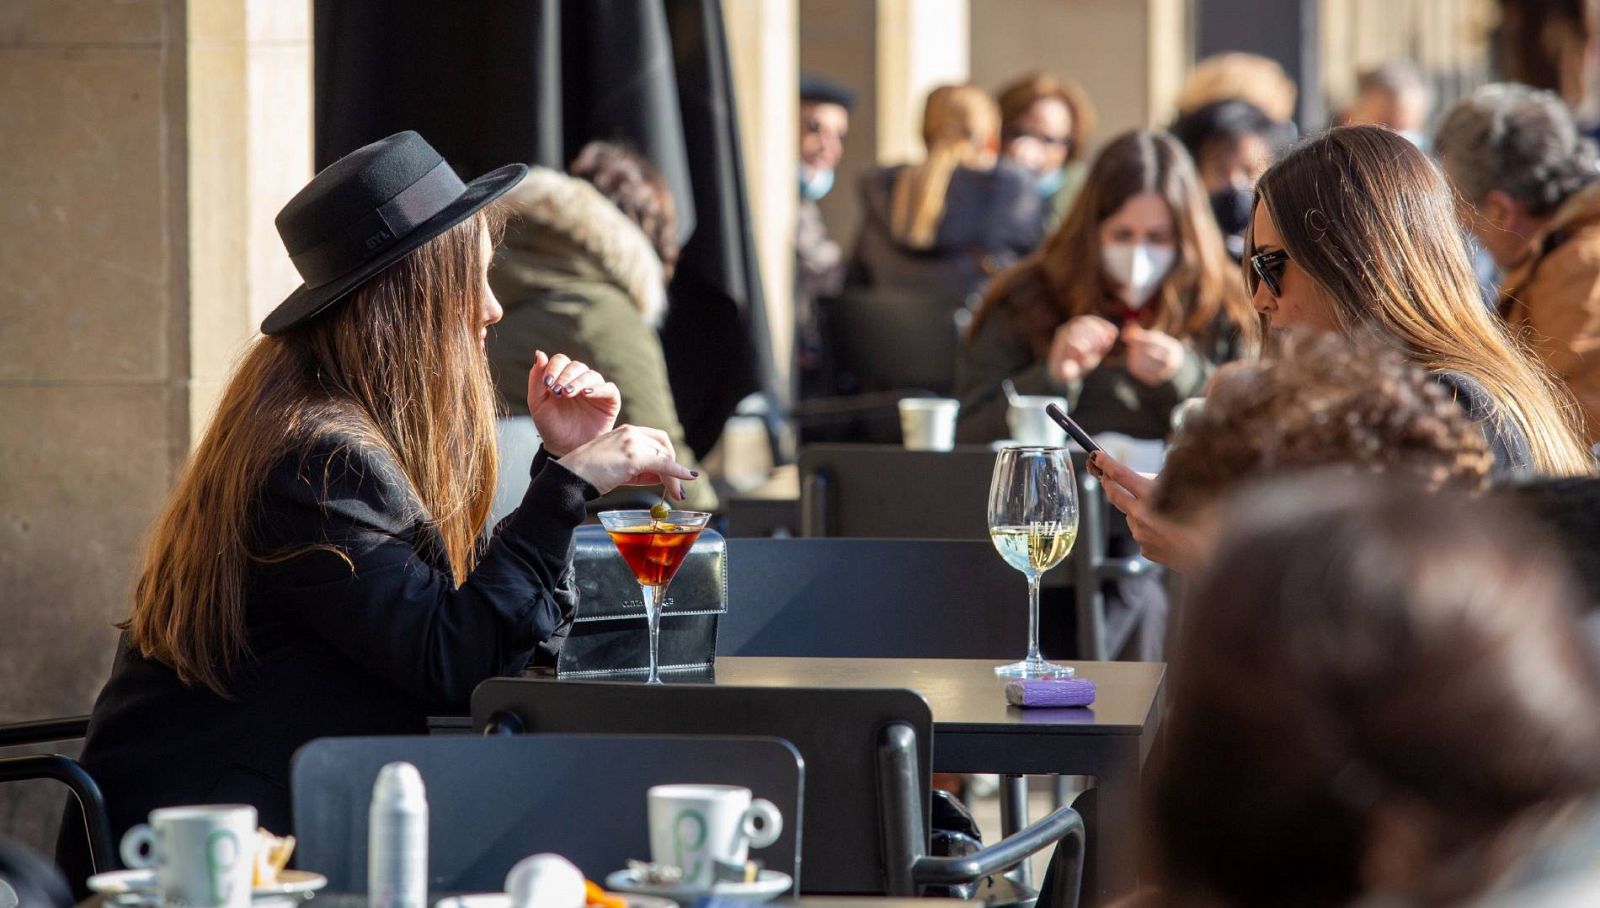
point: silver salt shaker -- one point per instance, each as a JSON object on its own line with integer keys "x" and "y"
{"x": 397, "y": 839}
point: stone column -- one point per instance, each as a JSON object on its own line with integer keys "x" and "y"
{"x": 763, "y": 47}
{"x": 1129, "y": 55}
{"x": 921, "y": 44}
{"x": 249, "y": 150}
{"x": 147, "y": 145}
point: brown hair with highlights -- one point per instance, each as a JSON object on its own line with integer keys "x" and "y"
{"x": 396, "y": 368}
{"x": 1371, "y": 220}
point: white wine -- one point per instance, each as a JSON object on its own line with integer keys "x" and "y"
{"x": 1035, "y": 547}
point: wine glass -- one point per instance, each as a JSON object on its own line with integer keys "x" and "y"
{"x": 654, "y": 548}
{"x": 1033, "y": 522}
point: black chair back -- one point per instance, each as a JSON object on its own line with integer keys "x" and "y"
{"x": 884, "y": 339}
{"x": 837, "y": 731}
{"x": 495, "y": 800}
{"x": 872, "y": 598}
{"x": 886, "y": 491}
{"x": 94, "y": 852}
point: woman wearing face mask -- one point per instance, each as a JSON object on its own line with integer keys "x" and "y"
{"x": 1124, "y": 311}
{"x": 1232, "y": 143}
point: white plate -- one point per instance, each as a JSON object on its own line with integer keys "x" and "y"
{"x": 501, "y": 900}
{"x": 122, "y": 882}
{"x": 769, "y": 885}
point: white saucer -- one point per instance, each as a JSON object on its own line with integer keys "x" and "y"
{"x": 769, "y": 885}
{"x": 501, "y": 900}
{"x": 123, "y": 882}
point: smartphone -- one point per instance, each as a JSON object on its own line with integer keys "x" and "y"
{"x": 1076, "y": 431}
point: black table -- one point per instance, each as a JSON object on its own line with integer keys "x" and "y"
{"x": 976, "y": 731}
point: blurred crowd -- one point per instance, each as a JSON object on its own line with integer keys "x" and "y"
{"x": 1385, "y": 688}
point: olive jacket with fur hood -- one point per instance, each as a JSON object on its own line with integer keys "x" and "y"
{"x": 577, "y": 276}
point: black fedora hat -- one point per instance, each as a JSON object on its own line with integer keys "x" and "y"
{"x": 365, "y": 211}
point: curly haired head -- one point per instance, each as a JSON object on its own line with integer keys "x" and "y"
{"x": 1322, "y": 401}
{"x": 632, "y": 183}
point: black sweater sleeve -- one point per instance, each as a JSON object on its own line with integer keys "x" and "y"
{"x": 350, "y": 554}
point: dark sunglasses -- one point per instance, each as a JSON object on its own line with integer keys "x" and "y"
{"x": 1267, "y": 267}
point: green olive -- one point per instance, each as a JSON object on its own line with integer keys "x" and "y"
{"x": 660, "y": 511}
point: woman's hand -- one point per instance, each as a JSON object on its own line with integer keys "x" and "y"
{"x": 1160, "y": 539}
{"x": 1079, "y": 345}
{"x": 629, "y": 456}
{"x": 571, "y": 404}
{"x": 1153, "y": 356}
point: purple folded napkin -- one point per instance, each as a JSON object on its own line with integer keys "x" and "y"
{"x": 1050, "y": 692}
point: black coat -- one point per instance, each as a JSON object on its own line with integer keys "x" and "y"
{"x": 366, "y": 647}
{"x": 991, "y": 218}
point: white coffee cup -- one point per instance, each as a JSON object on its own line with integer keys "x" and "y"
{"x": 694, "y": 826}
{"x": 928, "y": 423}
{"x": 204, "y": 856}
{"x": 1031, "y": 425}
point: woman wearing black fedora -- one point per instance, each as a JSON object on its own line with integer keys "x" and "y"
{"x": 321, "y": 567}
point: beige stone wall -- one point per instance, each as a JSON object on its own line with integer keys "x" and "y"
{"x": 147, "y": 144}
{"x": 1449, "y": 39}
{"x": 93, "y": 345}
{"x": 93, "y": 327}
{"x": 763, "y": 49}
{"x": 1129, "y": 55}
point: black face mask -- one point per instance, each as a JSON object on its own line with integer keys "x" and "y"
{"x": 1231, "y": 207}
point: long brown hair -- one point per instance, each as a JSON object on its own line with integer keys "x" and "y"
{"x": 1201, "y": 285}
{"x": 959, "y": 124}
{"x": 396, "y": 368}
{"x": 1372, "y": 221}
{"x": 1359, "y": 652}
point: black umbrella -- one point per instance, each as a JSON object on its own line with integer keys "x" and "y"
{"x": 533, "y": 81}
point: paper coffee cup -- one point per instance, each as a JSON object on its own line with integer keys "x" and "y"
{"x": 1031, "y": 425}
{"x": 928, "y": 423}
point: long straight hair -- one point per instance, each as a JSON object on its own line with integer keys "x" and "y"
{"x": 1201, "y": 285}
{"x": 1372, "y": 221}
{"x": 959, "y": 124}
{"x": 395, "y": 369}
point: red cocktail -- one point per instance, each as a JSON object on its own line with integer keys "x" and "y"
{"x": 654, "y": 548}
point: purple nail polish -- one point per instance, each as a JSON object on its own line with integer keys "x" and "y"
{"x": 549, "y": 380}
{"x": 587, "y": 391}
{"x": 695, "y": 474}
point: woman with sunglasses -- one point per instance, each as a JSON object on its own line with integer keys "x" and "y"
{"x": 1354, "y": 232}
{"x": 1124, "y": 311}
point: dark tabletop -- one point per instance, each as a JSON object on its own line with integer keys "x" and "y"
{"x": 965, "y": 694}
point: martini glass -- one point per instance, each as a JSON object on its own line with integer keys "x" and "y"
{"x": 654, "y": 549}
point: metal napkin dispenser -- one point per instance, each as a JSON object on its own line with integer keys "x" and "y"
{"x": 609, "y": 634}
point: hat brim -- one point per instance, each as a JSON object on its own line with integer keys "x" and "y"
{"x": 306, "y": 303}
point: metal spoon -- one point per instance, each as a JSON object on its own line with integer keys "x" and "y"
{"x": 1012, "y": 397}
